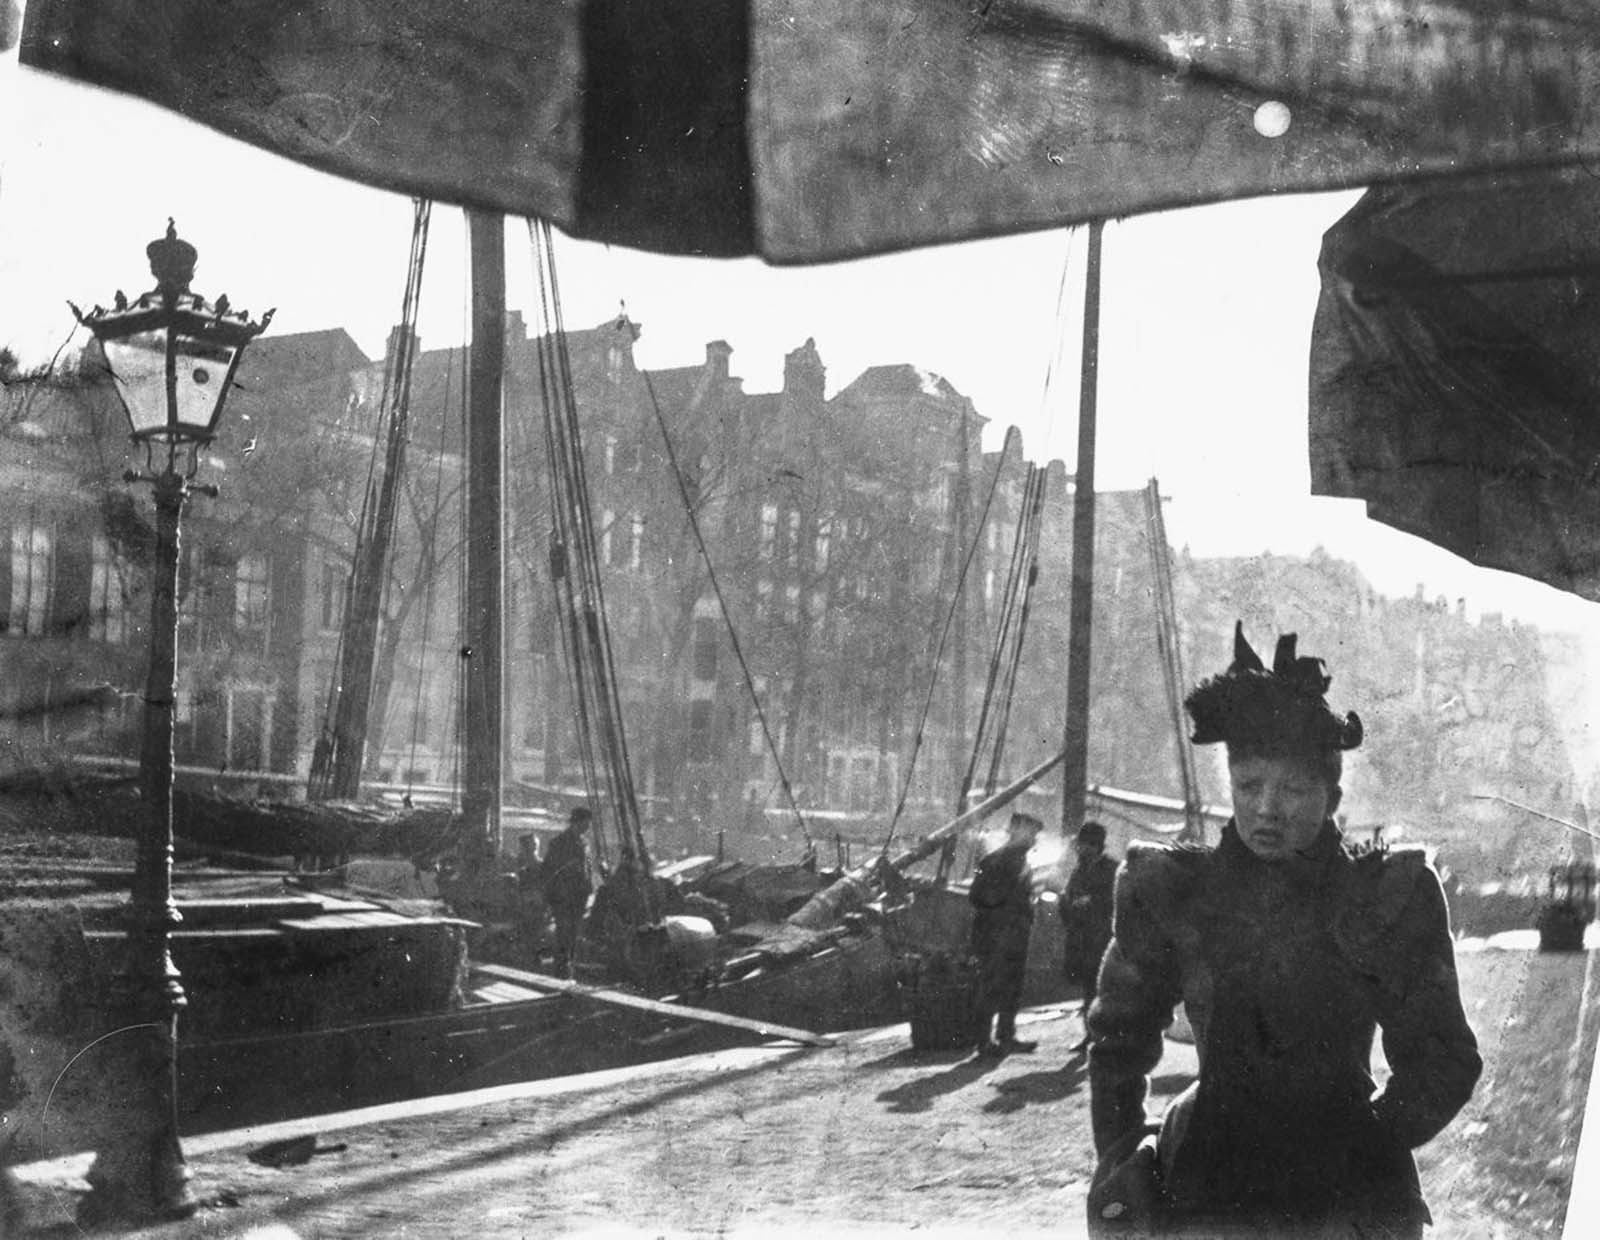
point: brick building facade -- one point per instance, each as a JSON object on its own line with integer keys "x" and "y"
{"x": 836, "y": 529}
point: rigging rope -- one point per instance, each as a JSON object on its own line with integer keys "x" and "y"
{"x": 1022, "y": 575}
{"x": 995, "y": 713}
{"x": 430, "y": 559}
{"x": 944, "y": 634}
{"x": 340, "y": 751}
{"x": 727, "y": 619}
{"x": 575, "y": 573}
{"x": 1025, "y": 544}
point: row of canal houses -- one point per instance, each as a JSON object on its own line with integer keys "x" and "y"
{"x": 837, "y": 527}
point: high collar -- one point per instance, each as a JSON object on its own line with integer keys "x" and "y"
{"x": 1306, "y": 867}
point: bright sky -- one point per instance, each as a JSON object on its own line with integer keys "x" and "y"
{"x": 1205, "y": 318}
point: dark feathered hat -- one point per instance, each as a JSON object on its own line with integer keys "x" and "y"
{"x": 1282, "y": 710}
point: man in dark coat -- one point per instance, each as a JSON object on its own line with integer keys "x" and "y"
{"x": 1086, "y": 915}
{"x": 1288, "y": 948}
{"x": 567, "y": 886}
{"x": 1002, "y": 901}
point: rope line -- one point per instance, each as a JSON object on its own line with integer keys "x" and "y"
{"x": 578, "y": 580}
{"x": 727, "y": 618}
{"x": 944, "y": 634}
{"x": 340, "y": 752}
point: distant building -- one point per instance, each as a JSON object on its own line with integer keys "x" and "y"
{"x": 834, "y": 650}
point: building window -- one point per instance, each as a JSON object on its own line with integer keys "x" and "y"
{"x": 705, "y": 649}
{"x": 636, "y": 542}
{"x": 988, "y": 585}
{"x": 791, "y": 604}
{"x": 700, "y": 729}
{"x": 862, "y": 783}
{"x": 607, "y": 520}
{"x": 331, "y": 600}
{"x": 611, "y": 454}
{"x": 820, "y": 548}
{"x": 763, "y": 599}
{"x": 792, "y": 550}
{"x": 250, "y": 595}
{"x": 108, "y": 604}
{"x": 190, "y": 591}
{"x": 769, "y": 530}
{"x": 32, "y": 565}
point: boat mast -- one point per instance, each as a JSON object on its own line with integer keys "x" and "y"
{"x": 1194, "y": 823}
{"x": 1075, "y": 772}
{"x": 483, "y": 628}
{"x": 341, "y": 751}
{"x": 958, "y": 664}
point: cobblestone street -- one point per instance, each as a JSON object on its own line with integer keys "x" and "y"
{"x": 867, "y": 1137}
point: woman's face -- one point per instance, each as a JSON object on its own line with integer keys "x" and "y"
{"x": 1279, "y": 804}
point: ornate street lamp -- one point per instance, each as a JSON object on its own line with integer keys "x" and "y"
{"x": 172, "y": 357}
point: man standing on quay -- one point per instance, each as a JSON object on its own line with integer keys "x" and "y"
{"x": 567, "y": 886}
{"x": 1086, "y": 915}
{"x": 1002, "y": 901}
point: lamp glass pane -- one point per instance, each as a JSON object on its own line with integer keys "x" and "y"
{"x": 139, "y": 367}
{"x": 202, "y": 373}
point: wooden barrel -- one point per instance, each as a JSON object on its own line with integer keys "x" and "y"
{"x": 941, "y": 988}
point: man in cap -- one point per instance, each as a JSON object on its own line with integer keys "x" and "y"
{"x": 567, "y": 885}
{"x": 1289, "y": 948}
{"x": 1086, "y": 915}
{"x": 1002, "y": 921}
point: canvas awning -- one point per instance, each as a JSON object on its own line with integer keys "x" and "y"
{"x": 806, "y": 131}
{"x": 1455, "y": 369}
{"x": 1441, "y": 392}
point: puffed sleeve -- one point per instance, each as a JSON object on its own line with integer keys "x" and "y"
{"x": 1432, "y": 1054}
{"x": 1139, "y": 988}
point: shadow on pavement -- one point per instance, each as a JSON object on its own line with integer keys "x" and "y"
{"x": 909, "y": 1056}
{"x": 918, "y": 1095}
{"x": 1033, "y": 1088}
{"x": 1170, "y": 1083}
{"x": 354, "y": 1191}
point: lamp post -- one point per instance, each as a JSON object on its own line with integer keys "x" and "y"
{"x": 172, "y": 357}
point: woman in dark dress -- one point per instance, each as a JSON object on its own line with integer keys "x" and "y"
{"x": 1289, "y": 948}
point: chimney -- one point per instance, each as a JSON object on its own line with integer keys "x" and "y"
{"x": 717, "y": 354}
{"x": 803, "y": 372}
{"x": 397, "y": 334}
{"x": 516, "y": 328}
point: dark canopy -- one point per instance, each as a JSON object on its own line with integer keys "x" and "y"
{"x": 1455, "y": 369}
{"x": 1456, "y": 398}
{"x": 806, "y": 130}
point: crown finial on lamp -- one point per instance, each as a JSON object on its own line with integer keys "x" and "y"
{"x": 172, "y": 261}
